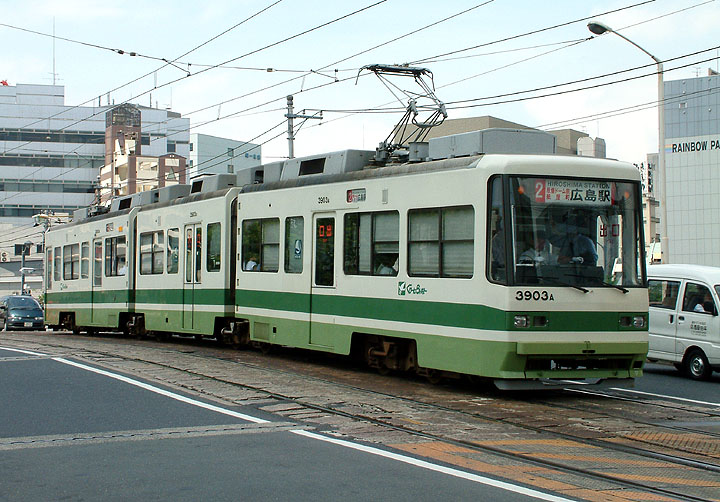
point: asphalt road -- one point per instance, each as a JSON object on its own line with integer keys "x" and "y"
{"x": 665, "y": 380}
{"x": 73, "y": 432}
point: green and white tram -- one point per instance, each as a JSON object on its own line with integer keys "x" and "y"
{"x": 524, "y": 269}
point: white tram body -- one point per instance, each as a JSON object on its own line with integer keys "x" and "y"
{"x": 519, "y": 268}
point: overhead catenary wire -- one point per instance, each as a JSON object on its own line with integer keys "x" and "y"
{"x": 533, "y": 32}
{"x": 230, "y": 115}
{"x": 150, "y": 73}
{"x": 233, "y": 59}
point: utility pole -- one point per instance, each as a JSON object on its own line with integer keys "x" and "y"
{"x": 25, "y": 251}
{"x": 291, "y": 129}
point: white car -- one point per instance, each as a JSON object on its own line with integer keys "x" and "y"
{"x": 684, "y": 323}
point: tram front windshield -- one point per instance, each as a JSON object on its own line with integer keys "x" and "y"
{"x": 573, "y": 232}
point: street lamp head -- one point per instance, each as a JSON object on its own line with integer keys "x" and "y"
{"x": 598, "y": 28}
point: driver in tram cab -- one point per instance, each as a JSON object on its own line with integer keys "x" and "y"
{"x": 539, "y": 252}
{"x": 577, "y": 247}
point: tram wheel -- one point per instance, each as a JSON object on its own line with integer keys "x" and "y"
{"x": 434, "y": 377}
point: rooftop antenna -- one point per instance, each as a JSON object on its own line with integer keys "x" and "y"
{"x": 53, "y": 39}
{"x": 400, "y": 137}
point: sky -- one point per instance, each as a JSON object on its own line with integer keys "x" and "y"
{"x": 534, "y": 63}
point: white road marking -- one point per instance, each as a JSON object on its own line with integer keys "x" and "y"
{"x": 25, "y": 352}
{"x": 434, "y": 467}
{"x": 347, "y": 444}
{"x": 163, "y": 392}
{"x": 666, "y": 397}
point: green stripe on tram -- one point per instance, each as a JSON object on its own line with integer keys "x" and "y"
{"x": 457, "y": 315}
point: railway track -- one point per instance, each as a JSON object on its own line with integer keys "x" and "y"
{"x": 408, "y": 407}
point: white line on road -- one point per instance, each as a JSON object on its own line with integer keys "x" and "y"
{"x": 163, "y": 392}
{"x": 347, "y": 444}
{"x": 434, "y": 467}
{"x": 666, "y": 397}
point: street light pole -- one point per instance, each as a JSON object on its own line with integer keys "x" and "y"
{"x": 599, "y": 29}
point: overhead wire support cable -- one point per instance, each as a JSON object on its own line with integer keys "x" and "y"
{"x": 534, "y": 32}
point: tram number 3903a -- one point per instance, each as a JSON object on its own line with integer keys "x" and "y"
{"x": 537, "y": 296}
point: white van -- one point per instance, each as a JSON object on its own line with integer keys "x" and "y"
{"x": 684, "y": 322}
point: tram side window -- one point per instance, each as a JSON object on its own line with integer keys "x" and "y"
{"x": 496, "y": 255}
{"x": 261, "y": 245}
{"x": 97, "y": 263}
{"x": 294, "y": 231}
{"x": 173, "y": 248}
{"x": 49, "y": 271}
{"x": 663, "y": 294}
{"x": 85, "y": 260}
{"x": 151, "y": 252}
{"x": 115, "y": 264}
{"x": 371, "y": 243}
{"x": 441, "y": 242}
{"x": 71, "y": 262}
{"x": 214, "y": 238}
{"x": 58, "y": 263}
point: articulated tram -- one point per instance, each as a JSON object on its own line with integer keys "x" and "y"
{"x": 522, "y": 269}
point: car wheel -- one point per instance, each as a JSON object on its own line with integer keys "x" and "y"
{"x": 697, "y": 366}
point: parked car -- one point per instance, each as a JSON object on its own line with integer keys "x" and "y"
{"x": 21, "y": 312}
{"x": 684, "y": 322}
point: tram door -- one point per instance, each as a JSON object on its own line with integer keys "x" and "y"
{"x": 193, "y": 266}
{"x": 97, "y": 278}
{"x": 323, "y": 277}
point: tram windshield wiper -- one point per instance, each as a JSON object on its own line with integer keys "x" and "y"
{"x": 555, "y": 280}
{"x": 616, "y": 286}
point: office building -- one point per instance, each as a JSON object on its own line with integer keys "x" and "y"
{"x": 692, "y": 167}
{"x": 214, "y": 155}
{"x": 50, "y": 159}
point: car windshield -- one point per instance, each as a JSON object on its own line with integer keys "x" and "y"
{"x": 23, "y": 303}
{"x": 572, "y": 232}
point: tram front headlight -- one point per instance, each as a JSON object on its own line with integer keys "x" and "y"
{"x": 522, "y": 321}
{"x": 639, "y": 321}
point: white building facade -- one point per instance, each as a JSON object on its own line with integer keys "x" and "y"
{"x": 214, "y": 155}
{"x": 50, "y": 160}
{"x": 692, "y": 166}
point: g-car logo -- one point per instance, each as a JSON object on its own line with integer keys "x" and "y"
{"x": 410, "y": 289}
{"x": 402, "y": 288}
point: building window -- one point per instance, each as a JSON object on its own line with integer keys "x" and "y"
{"x": 191, "y": 147}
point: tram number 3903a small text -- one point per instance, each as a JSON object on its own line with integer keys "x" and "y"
{"x": 537, "y": 296}
{"x": 323, "y": 200}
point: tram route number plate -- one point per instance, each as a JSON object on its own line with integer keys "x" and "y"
{"x": 537, "y": 296}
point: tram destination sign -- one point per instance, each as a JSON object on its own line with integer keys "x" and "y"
{"x": 583, "y": 192}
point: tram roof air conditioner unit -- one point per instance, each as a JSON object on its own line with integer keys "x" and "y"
{"x": 213, "y": 183}
{"x": 172, "y": 192}
{"x": 494, "y": 140}
{"x": 344, "y": 161}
